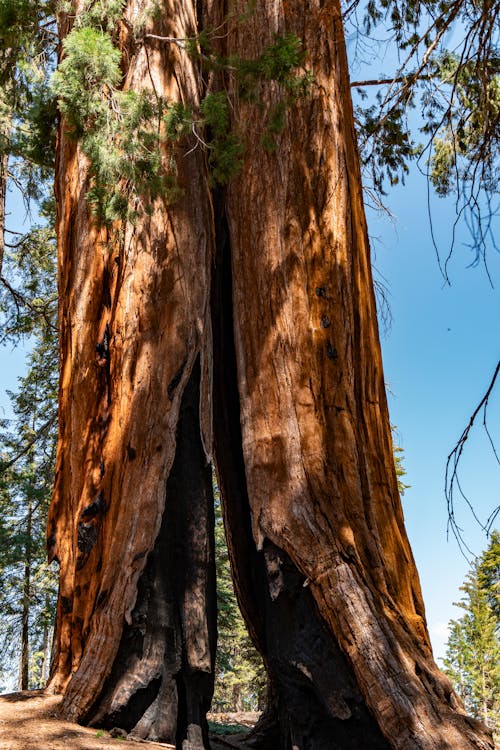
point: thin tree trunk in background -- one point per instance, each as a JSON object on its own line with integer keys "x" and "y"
{"x": 46, "y": 648}
{"x": 24, "y": 668}
{"x": 278, "y": 267}
{"x": 44, "y": 651}
{"x": 4, "y": 169}
{"x": 4, "y": 175}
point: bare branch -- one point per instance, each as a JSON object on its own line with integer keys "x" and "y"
{"x": 389, "y": 81}
{"x": 180, "y": 42}
{"x": 451, "y": 475}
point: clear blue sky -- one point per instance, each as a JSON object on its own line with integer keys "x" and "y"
{"x": 439, "y": 356}
{"x": 12, "y": 360}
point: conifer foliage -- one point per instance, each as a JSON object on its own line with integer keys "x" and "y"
{"x": 473, "y": 655}
{"x": 240, "y": 677}
{"x": 28, "y": 587}
{"x": 123, "y": 131}
{"x": 129, "y": 143}
{"x": 28, "y": 313}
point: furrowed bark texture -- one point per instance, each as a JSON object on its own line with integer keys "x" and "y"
{"x": 278, "y": 265}
{"x": 316, "y": 445}
{"x": 135, "y": 620}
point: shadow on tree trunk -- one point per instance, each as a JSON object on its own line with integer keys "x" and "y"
{"x": 314, "y": 702}
{"x": 162, "y": 681}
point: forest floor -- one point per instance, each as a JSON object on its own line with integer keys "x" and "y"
{"x": 30, "y": 721}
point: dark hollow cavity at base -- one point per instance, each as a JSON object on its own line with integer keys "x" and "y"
{"x": 162, "y": 681}
{"x": 161, "y": 685}
{"x": 314, "y": 702}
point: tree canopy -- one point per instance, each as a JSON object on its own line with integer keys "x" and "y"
{"x": 444, "y": 65}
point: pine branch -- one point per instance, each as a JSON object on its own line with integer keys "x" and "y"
{"x": 4, "y": 465}
{"x": 21, "y": 301}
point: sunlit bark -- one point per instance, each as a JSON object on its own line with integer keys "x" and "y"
{"x": 132, "y": 624}
{"x": 318, "y": 463}
{"x": 278, "y": 266}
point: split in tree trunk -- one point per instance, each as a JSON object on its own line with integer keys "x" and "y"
{"x": 156, "y": 689}
{"x": 313, "y": 699}
{"x": 322, "y": 566}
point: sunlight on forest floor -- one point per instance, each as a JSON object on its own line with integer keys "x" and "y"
{"x": 29, "y": 721}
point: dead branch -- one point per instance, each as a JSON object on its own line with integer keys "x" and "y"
{"x": 452, "y": 480}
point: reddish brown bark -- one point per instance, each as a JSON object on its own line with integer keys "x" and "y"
{"x": 316, "y": 439}
{"x": 279, "y": 266}
{"x": 134, "y": 332}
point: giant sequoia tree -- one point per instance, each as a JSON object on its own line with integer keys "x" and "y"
{"x": 237, "y": 324}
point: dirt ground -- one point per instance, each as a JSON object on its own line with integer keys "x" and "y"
{"x": 30, "y": 721}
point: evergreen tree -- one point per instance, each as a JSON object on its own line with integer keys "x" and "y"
{"x": 27, "y": 585}
{"x": 398, "y": 453}
{"x": 28, "y": 312}
{"x": 28, "y": 301}
{"x": 27, "y": 453}
{"x": 240, "y": 677}
{"x": 27, "y": 117}
{"x": 473, "y": 654}
{"x": 322, "y": 564}
{"x": 489, "y": 575}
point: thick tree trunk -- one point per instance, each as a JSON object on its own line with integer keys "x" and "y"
{"x": 322, "y": 565}
{"x": 131, "y": 520}
{"x": 337, "y": 608}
